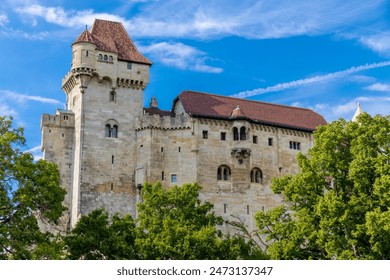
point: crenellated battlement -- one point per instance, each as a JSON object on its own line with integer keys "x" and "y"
{"x": 156, "y": 121}
{"x": 62, "y": 118}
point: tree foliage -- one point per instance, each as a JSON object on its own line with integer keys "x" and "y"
{"x": 97, "y": 237}
{"x": 28, "y": 190}
{"x": 171, "y": 224}
{"x": 339, "y": 203}
{"x": 175, "y": 224}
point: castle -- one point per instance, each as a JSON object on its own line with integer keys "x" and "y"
{"x": 107, "y": 145}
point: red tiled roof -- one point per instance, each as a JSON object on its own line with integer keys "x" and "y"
{"x": 221, "y": 107}
{"x": 157, "y": 111}
{"x": 112, "y": 37}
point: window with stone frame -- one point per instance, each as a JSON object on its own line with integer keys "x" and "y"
{"x": 243, "y": 133}
{"x": 235, "y": 134}
{"x": 223, "y": 173}
{"x": 256, "y": 175}
{"x": 295, "y": 145}
{"x": 111, "y": 129}
{"x": 254, "y": 139}
{"x": 112, "y": 96}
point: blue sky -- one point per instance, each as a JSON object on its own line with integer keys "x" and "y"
{"x": 323, "y": 55}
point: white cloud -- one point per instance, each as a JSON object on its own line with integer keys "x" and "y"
{"x": 180, "y": 56}
{"x": 6, "y": 110}
{"x": 36, "y": 152}
{"x": 378, "y": 87}
{"x": 207, "y": 18}
{"x": 312, "y": 80}
{"x": 379, "y": 43}
{"x": 3, "y": 19}
{"x": 59, "y": 16}
{"x": 7, "y": 95}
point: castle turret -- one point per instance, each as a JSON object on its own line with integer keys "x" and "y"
{"x": 104, "y": 90}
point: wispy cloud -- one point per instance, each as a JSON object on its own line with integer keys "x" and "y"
{"x": 180, "y": 56}
{"x": 6, "y": 110}
{"x": 311, "y": 80}
{"x": 36, "y": 152}
{"x": 62, "y": 17}
{"x": 23, "y": 98}
{"x": 205, "y": 19}
{"x": 3, "y": 19}
{"x": 378, "y": 87}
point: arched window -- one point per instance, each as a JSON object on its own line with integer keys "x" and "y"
{"x": 112, "y": 96}
{"x": 242, "y": 133}
{"x": 110, "y": 58}
{"x": 114, "y": 131}
{"x": 105, "y": 57}
{"x": 100, "y": 57}
{"x": 223, "y": 173}
{"x": 256, "y": 176}
{"x": 235, "y": 134}
{"x": 111, "y": 129}
{"x": 108, "y": 130}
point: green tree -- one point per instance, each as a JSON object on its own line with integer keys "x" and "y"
{"x": 171, "y": 224}
{"x": 28, "y": 190}
{"x": 338, "y": 206}
{"x": 174, "y": 224}
{"x": 97, "y": 237}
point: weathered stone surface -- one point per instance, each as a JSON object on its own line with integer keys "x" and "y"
{"x": 101, "y": 168}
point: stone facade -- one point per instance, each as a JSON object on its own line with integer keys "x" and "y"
{"x": 107, "y": 145}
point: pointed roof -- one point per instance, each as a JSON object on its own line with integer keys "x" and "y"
{"x": 112, "y": 37}
{"x": 205, "y": 105}
{"x": 85, "y": 37}
{"x": 358, "y": 112}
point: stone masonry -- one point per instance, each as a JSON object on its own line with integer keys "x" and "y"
{"x": 107, "y": 145}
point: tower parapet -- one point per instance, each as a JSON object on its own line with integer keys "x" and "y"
{"x": 147, "y": 121}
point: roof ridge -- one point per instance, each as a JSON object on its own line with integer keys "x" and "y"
{"x": 248, "y": 100}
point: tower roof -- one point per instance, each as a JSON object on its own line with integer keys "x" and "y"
{"x": 112, "y": 37}
{"x": 206, "y": 105}
{"x": 358, "y": 112}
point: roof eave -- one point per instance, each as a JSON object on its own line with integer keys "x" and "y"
{"x": 272, "y": 124}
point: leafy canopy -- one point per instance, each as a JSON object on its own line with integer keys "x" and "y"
{"x": 171, "y": 224}
{"x": 28, "y": 190}
{"x": 339, "y": 203}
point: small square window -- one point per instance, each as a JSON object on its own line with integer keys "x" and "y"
{"x": 270, "y": 141}
{"x": 254, "y": 139}
{"x": 173, "y": 178}
{"x": 223, "y": 136}
{"x": 205, "y": 134}
{"x": 129, "y": 65}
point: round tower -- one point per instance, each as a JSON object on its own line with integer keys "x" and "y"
{"x": 83, "y": 51}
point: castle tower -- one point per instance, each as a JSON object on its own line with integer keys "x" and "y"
{"x": 104, "y": 93}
